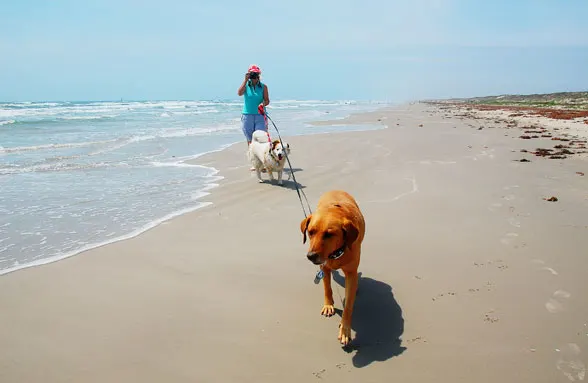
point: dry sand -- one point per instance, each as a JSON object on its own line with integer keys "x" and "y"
{"x": 468, "y": 273}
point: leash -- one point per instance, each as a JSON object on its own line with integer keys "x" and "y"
{"x": 320, "y": 274}
{"x": 298, "y": 190}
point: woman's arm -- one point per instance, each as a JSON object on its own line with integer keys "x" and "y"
{"x": 241, "y": 90}
{"x": 266, "y": 99}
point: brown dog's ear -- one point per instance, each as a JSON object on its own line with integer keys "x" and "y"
{"x": 304, "y": 226}
{"x": 275, "y": 143}
{"x": 350, "y": 232}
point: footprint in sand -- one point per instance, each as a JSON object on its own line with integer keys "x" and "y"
{"x": 442, "y": 295}
{"x": 318, "y": 374}
{"x": 570, "y": 363}
{"x": 514, "y": 222}
{"x": 508, "y": 238}
{"x": 509, "y": 197}
{"x": 491, "y": 317}
{"x": 546, "y": 268}
{"x": 554, "y": 305}
{"x": 499, "y": 264}
{"x": 552, "y": 271}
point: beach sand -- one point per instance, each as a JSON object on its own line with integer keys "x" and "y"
{"x": 468, "y": 273}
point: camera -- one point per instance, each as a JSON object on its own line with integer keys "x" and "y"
{"x": 253, "y": 75}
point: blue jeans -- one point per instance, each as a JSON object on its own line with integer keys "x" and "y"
{"x": 252, "y": 122}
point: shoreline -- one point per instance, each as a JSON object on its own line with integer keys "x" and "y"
{"x": 205, "y": 191}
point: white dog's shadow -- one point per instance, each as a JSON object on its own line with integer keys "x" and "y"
{"x": 289, "y": 172}
{"x": 288, "y": 184}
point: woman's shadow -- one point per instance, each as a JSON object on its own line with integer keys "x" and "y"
{"x": 377, "y": 322}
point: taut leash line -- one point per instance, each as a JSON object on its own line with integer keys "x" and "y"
{"x": 298, "y": 190}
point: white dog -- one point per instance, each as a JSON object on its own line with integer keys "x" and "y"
{"x": 269, "y": 155}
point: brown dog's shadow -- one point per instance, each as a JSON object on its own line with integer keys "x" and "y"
{"x": 377, "y": 321}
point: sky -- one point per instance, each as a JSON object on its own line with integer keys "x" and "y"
{"x": 390, "y": 50}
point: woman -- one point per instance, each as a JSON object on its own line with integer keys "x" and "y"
{"x": 256, "y": 98}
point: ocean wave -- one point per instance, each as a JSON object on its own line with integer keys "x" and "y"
{"x": 109, "y": 109}
{"x": 196, "y": 111}
{"x": 177, "y": 164}
{"x": 122, "y": 141}
{"x": 55, "y": 167}
{"x": 29, "y": 104}
{"x": 75, "y": 120}
{"x": 58, "y": 163}
{"x": 182, "y": 162}
{"x": 7, "y": 122}
{"x": 213, "y": 178}
{"x": 88, "y": 117}
{"x": 61, "y": 158}
{"x": 185, "y": 112}
{"x": 85, "y": 247}
{"x": 15, "y": 113}
{"x": 49, "y": 110}
{"x": 195, "y": 156}
{"x": 185, "y": 132}
{"x": 285, "y": 106}
{"x": 18, "y": 149}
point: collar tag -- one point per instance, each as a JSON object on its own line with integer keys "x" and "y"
{"x": 318, "y": 277}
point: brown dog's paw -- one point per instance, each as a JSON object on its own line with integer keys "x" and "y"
{"x": 328, "y": 310}
{"x": 344, "y": 334}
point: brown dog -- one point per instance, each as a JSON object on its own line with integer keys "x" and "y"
{"x": 335, "y": 231}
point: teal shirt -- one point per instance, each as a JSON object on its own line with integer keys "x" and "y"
{"x": 253, "y": 97}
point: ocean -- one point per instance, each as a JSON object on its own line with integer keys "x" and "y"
{"x": 77, "y": 175}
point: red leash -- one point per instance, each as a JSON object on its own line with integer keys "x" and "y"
{"x": 261, "y": 110}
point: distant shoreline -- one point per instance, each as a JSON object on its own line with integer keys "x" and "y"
{"x": 560, "y": 100}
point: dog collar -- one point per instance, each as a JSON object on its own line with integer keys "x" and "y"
{"x": 337, "y": 253}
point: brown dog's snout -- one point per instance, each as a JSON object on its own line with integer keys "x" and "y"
{"x": 313, "y": 257}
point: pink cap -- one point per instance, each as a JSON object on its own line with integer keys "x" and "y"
{"x": 254, "y": 69}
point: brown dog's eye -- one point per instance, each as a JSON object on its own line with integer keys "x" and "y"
{"x": 327, "y": 235}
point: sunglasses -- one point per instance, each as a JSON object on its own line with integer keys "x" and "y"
{"x": 253, "y": 75}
